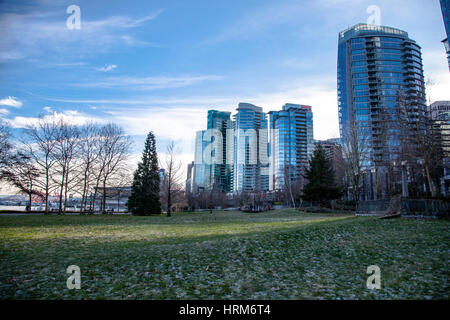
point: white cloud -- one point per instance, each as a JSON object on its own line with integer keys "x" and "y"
{"x": 176, "y": 123}
{"x": 107, "y": 68}
{"x": 437, "y": 75}
{"x": 4, "y": 111}
{"x": 194, "y": 101}
{"x": 323, "y": 101}
{"x": 119, "y": 22}
{"x": 150, "y": 83}
{"x": 70, "y": 116}
{"x": 59, "y": 64}
{"x": 31, "y": 35}
{"x": 11, "y": 102}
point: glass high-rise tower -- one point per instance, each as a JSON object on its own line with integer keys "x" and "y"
{"x": 201, "y": 168}
{"x": 220, "y": 172}
{"x": 291, "y": 143}
{"x": 251, "y": 167}
{"x": 379, "y": 68}
{"x": 445, "y": 6}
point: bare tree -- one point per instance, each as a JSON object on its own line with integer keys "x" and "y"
{"x": 89, "y": 153}
{"x": 419, "y": 144}
{"x": 356, "y": 153}
{"x": 16, "y": 167}
{"x": 292, "y": 188}
{"x": 6, "y": 156}
{"x": 66, "y": 147}
{"x": 172, "y": 187}
{"x": 56, "y": 156}
{"x": 287, "y": 188}
{"x": 241, "y": 199}
{"x": 112, "y": 161}
{"x": 23, "y": 176}
{"x": 39, "y": 145}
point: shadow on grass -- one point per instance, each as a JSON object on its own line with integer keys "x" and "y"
{"x": 315, "y": 259}
{"x": 174, "y": 237}
{"x": 176, "y": 219}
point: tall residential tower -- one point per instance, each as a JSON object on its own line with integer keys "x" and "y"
{"x": 221, "y": 170}
{"x": 445, "y": 6}
{"x": 251, "y": 163}
{"x": 379, "y": 70}
{"x": 201, "y": 168}
{"x": 291, "y": 144}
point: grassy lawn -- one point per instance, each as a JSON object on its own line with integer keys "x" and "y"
{"x": 282, "y": 254}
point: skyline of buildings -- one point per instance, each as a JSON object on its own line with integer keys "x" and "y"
{"x": 219, "y": 75}
{"x": 238, "y": 155}
{"x": 379, "y": 73}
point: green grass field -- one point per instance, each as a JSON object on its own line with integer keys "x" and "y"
{"x": 283, "y": 254}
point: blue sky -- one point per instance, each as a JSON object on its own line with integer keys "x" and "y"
{"x": 160, "y": 65}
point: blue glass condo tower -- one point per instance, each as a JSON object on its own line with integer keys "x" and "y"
{"x": 445, "y": 6}
{"x": 291, "y": 144}
{"x": 378, "y": 67}
{"x": 250, "y": 170}
{"x": 220, "y": 173}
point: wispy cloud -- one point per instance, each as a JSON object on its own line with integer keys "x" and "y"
{"x": 119, "y": 22}
{"x": 148, "y": 101}
{"x": 107, "y": 68}
{"x": 11, "y": 102}
{"x": 149, "y": 83}
{"x": 31, "y": 35}
{"x": 58, "y": 64}
{"x": 259, "y": 21}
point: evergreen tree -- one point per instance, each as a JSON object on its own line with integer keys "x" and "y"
{"x": 321, "y": 186}
{"x": 144, "y": 198}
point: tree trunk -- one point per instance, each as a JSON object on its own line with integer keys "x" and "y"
{"x": 66, "y": 188}
{"x": 46, "y": 190}
{"x": 96, "y": 189}
{"x": 104, "y": 197}
{"x": 83, "y": 196}
{"x": 30, "y": 193}
{"x": 169, "y": 201}
{"x": 430, "y": 180}
{"x": 61, "y": 189}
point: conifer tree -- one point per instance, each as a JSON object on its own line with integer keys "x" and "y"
{"x": 321, "y": 186}
{"x": 144, "y": 198}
